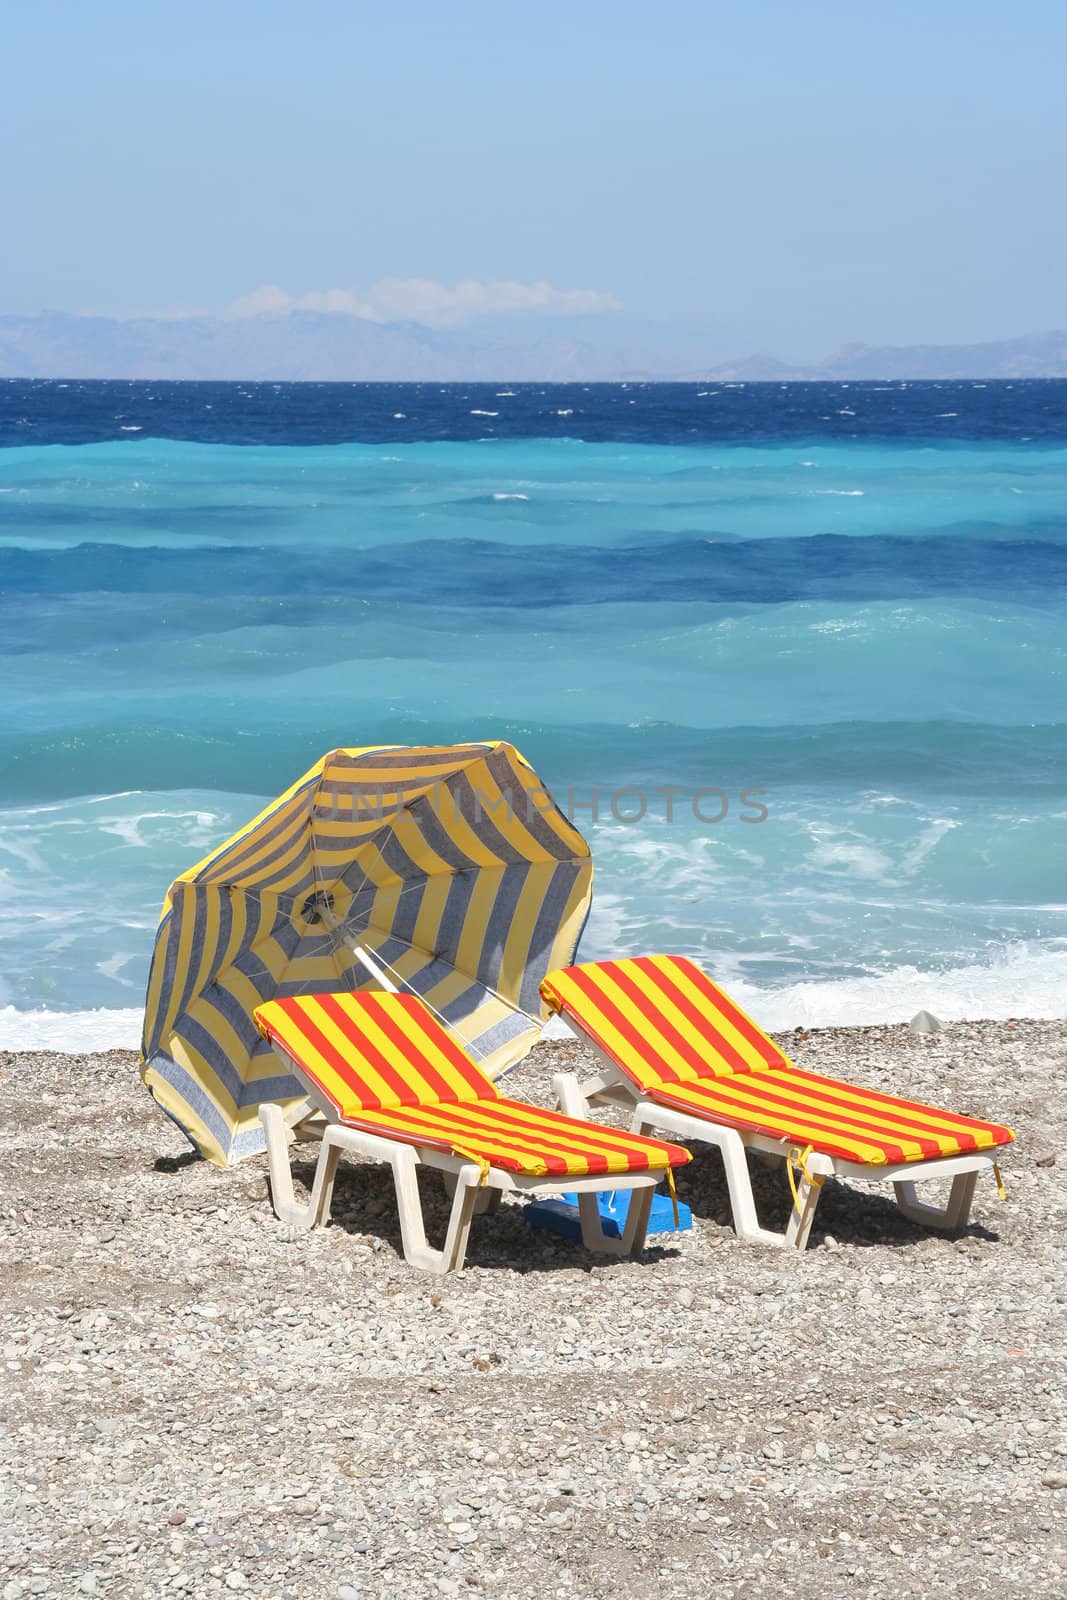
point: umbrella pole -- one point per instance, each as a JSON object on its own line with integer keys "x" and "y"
{"x": 367, "y": 960}
{"x": 364, "y": 957}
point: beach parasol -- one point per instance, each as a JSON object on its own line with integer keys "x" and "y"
{"x": 445, "y": 870}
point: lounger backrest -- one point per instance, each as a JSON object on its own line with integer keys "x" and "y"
{"x": 661, "y": 1019}
{"x": 367, "y": 1051}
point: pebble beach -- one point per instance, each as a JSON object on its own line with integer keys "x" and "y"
{"x": 196, "y": 1401}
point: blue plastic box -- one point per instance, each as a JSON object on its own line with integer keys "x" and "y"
{"x": 561, "y": 1215}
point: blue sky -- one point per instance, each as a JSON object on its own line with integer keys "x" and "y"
{"x": 775, "y": 176}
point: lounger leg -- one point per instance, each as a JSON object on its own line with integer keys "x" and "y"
{"x": 802, "y": 1214}
{"x": 417, "y": 1251}
{"x": 738, "y": 1177}
{"x": 464, "y": 1207}
{"x": 593, "y": 1235}
{"x": 486, "y": 1201}
{"x": 569, "y": 1097}
{"x": 632, "y": 1240}
{"x": 281, "y": 1176}
{"x": 633, "y": 1237}
{"x": 948, "y": 1217}
{"x": 322, "y": 1186}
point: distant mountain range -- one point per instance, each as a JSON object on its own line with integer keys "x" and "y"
{"x": 1031, "y": 355}
{"x": 288, "y": 347}
{"x": 323, "y": 347}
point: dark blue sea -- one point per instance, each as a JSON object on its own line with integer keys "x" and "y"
{"x": 848, "y": 597}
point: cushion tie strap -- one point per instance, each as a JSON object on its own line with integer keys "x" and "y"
{"x": 799, "y": 1158}
{"x": 674, "y": 1196}
{"x": 1001, "y": 1191}
{"x": 479, "y": 1161}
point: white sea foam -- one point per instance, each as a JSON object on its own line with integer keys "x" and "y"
{"x": 1021, "y": 983}
{"x": 130, "y": 427}
{"x": 838, "y": 625}
{"x": 511, "y": 497}
{"x": 1024, "y": 983}
{"x": 113, "y": 968}
{"x": 485, "y": 413}
{"x": 70, "y": 1030}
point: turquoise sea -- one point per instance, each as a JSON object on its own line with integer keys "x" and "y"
{"x": 850, "y": 598}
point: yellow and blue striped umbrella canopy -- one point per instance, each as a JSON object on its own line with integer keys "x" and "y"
{"x": 450, "y": 863}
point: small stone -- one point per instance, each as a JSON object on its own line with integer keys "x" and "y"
{"x": 685, "y": 1297}
{"x": 1047, "y": 1158}
{"x": 346, "y": 1592}
{"x": 923, "y": 1022}
{"x": 87, "y": 1583}
{"x": 13, "y": 1590}
{"x": 236, "y": 1580}
{"x": 176, "y": 1519}
{"x": 305, "y": 1507}
{"x": 1054, "y": 1480}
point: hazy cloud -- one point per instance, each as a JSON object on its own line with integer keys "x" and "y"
{"x": 423, "y": 300}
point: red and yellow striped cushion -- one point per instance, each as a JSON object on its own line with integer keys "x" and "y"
{"x": 661, "y": 1018}
{"x": 524, "y": 1139}
{"x": 684, "y": 1044}
{"x": 858, "y": 1125}
{"x": 387, "y": 1065}
{"x": 373, "y": 1050}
